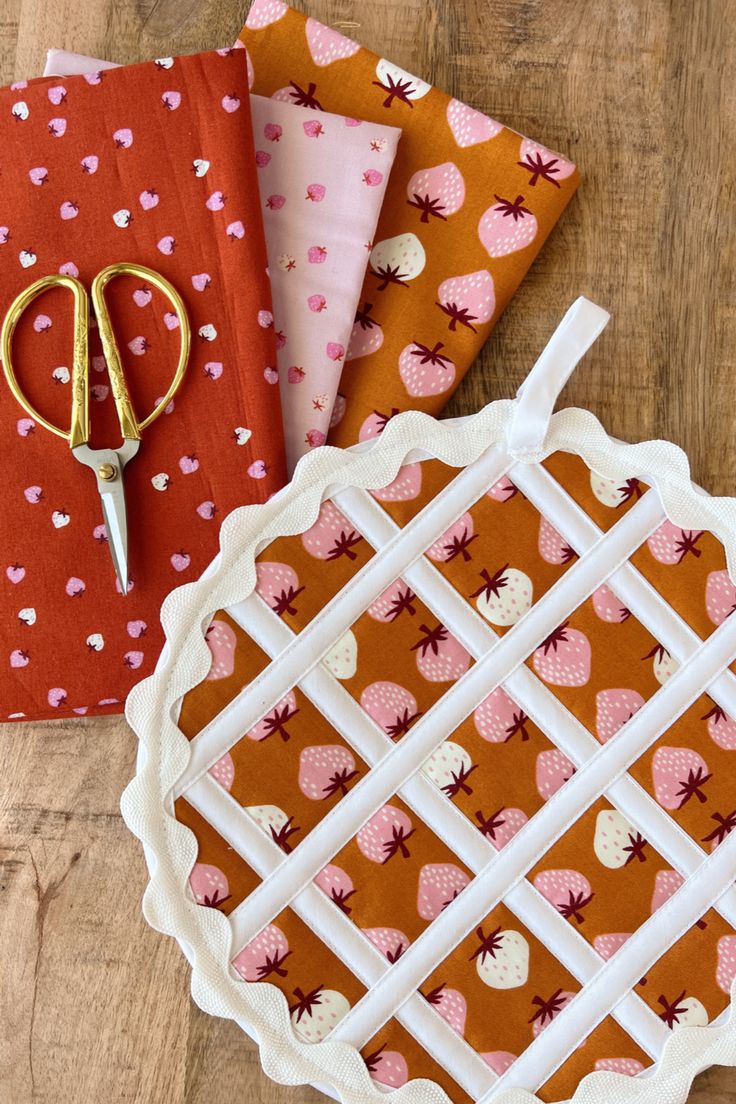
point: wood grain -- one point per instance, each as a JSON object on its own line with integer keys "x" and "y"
{"x": 94, "y": 1006}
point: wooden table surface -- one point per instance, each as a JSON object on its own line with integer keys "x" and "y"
{"x": 94, "y": 1006}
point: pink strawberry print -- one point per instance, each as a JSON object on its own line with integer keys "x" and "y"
{"x": 332, "y": 535}
{"x": 542, "y": 164}
{"x": 316, "y": 192}
{"x": 504, "y": 597}
{"x": 278, "y": 584}
{"x": 275, "y": 202}
{"x": 335, "y": 351}
{"x": 613, "y": 708}
{"x": 439, "y": 884}
{"x": 229, "y": 103}
{"x": 390, "y": 941}
{"x": 568, "y": 890}
{"x": 438, "y": 192}
{"x": 406, "y": 486}
{"x": 670, "y": 545}
{"x": 608, "y": 607}
{"x": 264, "y": 12}
{"x": 553, "y": 548}
{"x": 455, "y": 541}
{"x": 313, "y": 128}
{"x": 223, "y": 771}
{"x": 467, "y": 300}
{"x": 317, "y": 254}
{"x": 451, "y": 1006}
{"x": 123, "y": 138}
{"x": 385, "y": 835}
{"x": 425, "y": 371}
{"x": 375, "y": 423}
{"x": 468, "y": 126}
{"x": 721, "y": 728}
{"x": 325, "y": 770}
{"x": 317, "y": 303}
{"x": 337, "y": 885}
{"x": 726, "y": 968}
{"x": 546, "y": 1008}
{"x": 327, "y": 45}
{"x": 366, "y": 336}
{"x": 19, "y": 658}
{"x": 629, "y": 1067}
{"x": 314, "y": 438}
{"x": 264, "y": 956}
{"x": 678, "y": 775}
{"x": 372, "y": 177}
{"x": 607, "y": 945}
{"x": 563, "y": 659}
{"x": 499, "y": 1060}
{"x": 666, "y": 882}
{"x": 391, "y": 706}
{"x": 553, "y": 770}
{"x": 57, "y": 697}
{"x": 396, "y": 599}
{"x": 507, "y": 226}
{"x": 209, "y": 885}
{"x": 275, "y": 722}
{"x": 501, "y": 826}
{"x": 221, "y": 641}
{"x": 502, "y": 490}
{"x": 273, "y": 132}
{"x": 16, "y": 573}
{"x": 387, "y": 1067}
{"x": 440, "y": 657}
{"x": 498, "y": 718}
{"x": 720, "y": 596}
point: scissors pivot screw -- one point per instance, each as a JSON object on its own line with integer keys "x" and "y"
{"x": 107, "y": 472}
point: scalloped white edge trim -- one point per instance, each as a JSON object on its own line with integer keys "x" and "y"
{"x": 170, "y": 847}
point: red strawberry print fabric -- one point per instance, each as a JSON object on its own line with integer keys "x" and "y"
{"x": 153, "y": 164}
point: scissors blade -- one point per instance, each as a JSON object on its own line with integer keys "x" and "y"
{"x": 113, "y": 511}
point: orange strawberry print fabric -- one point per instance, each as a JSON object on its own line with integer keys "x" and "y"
{"x": 153, "y": 164}
{"x": 468, "y": 207}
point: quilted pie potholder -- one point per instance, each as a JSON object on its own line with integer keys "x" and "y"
{"x": 436, "y": 773}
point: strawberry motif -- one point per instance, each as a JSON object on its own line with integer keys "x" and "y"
{"x": 617, "y": 842}
{"x": 608, "y": 607}
{"x": 553, "y": 548}
{"x": 406, "y": 486}
{"x": 325, "y": 770}
{"x": 613, "y": 708}
{"x": 221, "y": 642}
{"x": 375, "y": 423}
{"x": 564, "y": 658}
{"x": 399, "y": 84}
{"x": 315, "y": 1014}
{"x": 332, "y": 535}
{"x": 264, "y": 12}
{"x": 440, "y": 657}
{"x": 278, "y": 584}
{"x": 385, "y": 835}
{"x": 721, "y": 728}
{"x": 664, "y": 665}
{"x": 504, "y": 597}
{"x": 720, "y": 596}
{"x": 397, "y": 599}
{"x": 209, "y": 885}
{"x": 468, "y": 126}
{"x": 502, "y": 490}
{"x": 455, "y": 541}
{"x": 507, "y": 226}
{"x": 666, "y": 882}
{"x": 397, "y": 260}
{"x": 387, "y": 1067}
{"x": 678, "y": 774}
{"x": 542, "y": 164}
{"x": 670, "y": 545}
{"x": 614, "y": 492}
{"x": 498, "y": 718}
{"x": 449, "y": 767}
{"x": 275, "y": 823}
{"x": 467, "y": 299}
{"x": 264, "y": 955}
{"x": 546, "y": 1008}
{"x": 439, "y": 884}
{"x": 726, "y": 969}
{"x": 275, "y": 722}
{"x": 553, "y": 770}
{"x": 366, "y": 335}
{"x": 390, "y": 941}
{"x": 683, "y": 1011}
{"x": 499, "y": 1060}
{"x": 391, "y": 706}
{"x": 223, "y": 771}
{"x": 568, "y": 890}
{"x": 342, "y": 658}
{"x": 438, "y": 192}
{"x": 501, "y": 826}
{"x": 425, "y": 371}
{"x": 451, "y": 1005}
{"x": 629, "y": 1067}
{"x": 338, "y": 886}
{"x": 502, "y": 959}
{"x": 607, "y": 945}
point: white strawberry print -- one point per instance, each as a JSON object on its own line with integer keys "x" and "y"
{"x": 670, "y": 545}
{"x": 468, "y": 126}
{"x": 563, "y": 659}
{"x": 504, "y": 597}
{"x": 396, "y": 599}
{"x": 547, "y": 1008}
{"x": 264, "y": 955}
{"x": 608, "y": 607}
{"x": 223, "y": 771}
{"x": 439, "y": 884}
{"x": 678, "y": 775}
{"x": 721, "y": 728}
{"x": 391, "y": 706}
{"x": 315, "y": 1014}
{"x": 666, "y": 882}
{"x": 327, "y": 45}
{"x": 617, "y": 842}
{"x": 274, "y": 822}
{"x": 332, "y": 535}
{"x": 726, "y": 969}
{"x": 543, "y": 164}
{"x": 387, "y": 1067}
{"x": 397, "y": 260}
{"x": 337, "y": 885}
{"x": 425, "y": 371}
{"x": 614, "y": 492}
{"x": 399, "y": 84}
{"x": 613, "y": 708}
{"x": 209, "y": 885}
{"x": 467, "y": 299}
{"x": 553, "y": 769}
{"x": 607, "y": 945}
{"x": 720, "y": 596}
{"x": 438, "y": 192}
{"x": 455, "y": 541}
{"x": 264, "y": 12}
{"x": 498, "y": 718}
{"x": 278, "y": 584}
{"x": 501, "y": 826}
{"x": 366, "y": 335}
{"x": 385, "y": 835}
{"x": 664, "y": 664}
{"x": 342, "y": 658}
{"x": 326, "y": 770}
{"x": 406, "y": 486}
{"x": 390, "y": 941}
{"x": 221, "y": 641}
{"x": 449, "y": 767}
{"x": 683, "y": 1011}
{"x": 568, "y": 890}
{"x": 502, "y": 959}
{"x": 499, "y": 1060}
{"x": 629, "y": 1067}
{"x": 440, "y": 657}
{"x": 451, "y": 1006}
{"x": 553, "y": 548}
{"x": 507, "y": 226}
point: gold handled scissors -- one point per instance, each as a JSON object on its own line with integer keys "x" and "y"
{"x": 107, "y": 464}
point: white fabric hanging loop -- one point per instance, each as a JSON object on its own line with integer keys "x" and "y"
{"x": 536, "y": 398}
